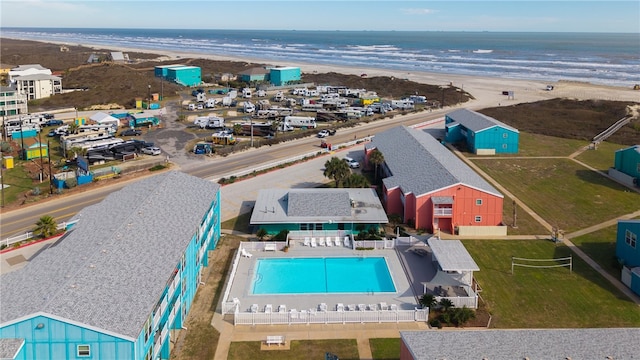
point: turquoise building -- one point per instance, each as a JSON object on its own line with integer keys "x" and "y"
{"x": 118, "y": 283}
{"x": 253, "y": 75}
{"x": 628, "y": 252}
{"x": 482, "y": 134}
{"x": 185, "y": 75}
{"x": 627, "y": 161}
{"x": 163, "y": 70}
{"x": 284, "y": 75}
{"x": 340, "y": 211}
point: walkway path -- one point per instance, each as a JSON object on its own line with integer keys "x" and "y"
{"x": 567, "y": 238}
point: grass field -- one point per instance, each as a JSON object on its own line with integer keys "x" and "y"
{"x": 564, "y": 193}
{"x": 385, "y": 349}
{"x": 601, "y": 247}
{"x": 527, "y": 225}
{"x": 345, "y": 349}
{"x": 602, "y": 158}
{"x": 546, "y": 298}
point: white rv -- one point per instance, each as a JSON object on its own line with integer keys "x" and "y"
{"x": 301, "y": 121}
{"x": 210, "y": 103}
{"x": 246, "y": 93}
{"x": 248, "y": 107}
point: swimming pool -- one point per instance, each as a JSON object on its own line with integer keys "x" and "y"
{"x": 322, "y": 276}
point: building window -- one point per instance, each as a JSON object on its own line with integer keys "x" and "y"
{"x": 478, "y": 202}
{"x": 84, "y": 350}
{"x": 505, "y": 135}
{"x": 504, "y": 146}
{"x": 630, "y": 238}
{"x": 478, "y": 218}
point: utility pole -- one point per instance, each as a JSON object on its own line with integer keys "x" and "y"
{"x": 50, "y": 173}
{"x": 515, "y": 215}
{"x": 149, "y": 98}
{"x": 41, "y": 161}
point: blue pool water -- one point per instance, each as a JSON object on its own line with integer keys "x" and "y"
{"x": 322, "y": 276}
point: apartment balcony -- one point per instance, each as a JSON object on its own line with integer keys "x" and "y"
{"x": 443, "y": 212}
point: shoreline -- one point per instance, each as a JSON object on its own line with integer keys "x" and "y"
{"x": 487, "y": 91}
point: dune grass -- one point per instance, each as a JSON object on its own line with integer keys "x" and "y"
{"x": 546, "y": 298}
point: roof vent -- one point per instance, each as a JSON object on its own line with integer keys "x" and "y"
{"x": 92, "y": 266}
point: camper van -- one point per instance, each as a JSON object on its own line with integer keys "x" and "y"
{"x": 210, "y": 103}
{"x": 301, "y": 121}
{"x": 279, "y": 96}
{"x": 248, "y": 107}
{"x": 246, "y": 93}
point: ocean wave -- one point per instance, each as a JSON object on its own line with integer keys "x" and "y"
{"x": 482, "y": 51}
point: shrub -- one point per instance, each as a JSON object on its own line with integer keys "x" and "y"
{"x": 36, "y": 191}
{"x": 435, "y": 323}
{"x": 281, "y": 236}
{"x": 3, "y": 246}
{"x": 71, "y": 183}
{"x": 157, "y": 167}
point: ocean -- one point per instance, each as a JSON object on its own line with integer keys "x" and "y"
{"x": 598, "y": 58}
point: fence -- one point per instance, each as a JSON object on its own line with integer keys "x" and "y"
{"x": 330, "y": 317}
{"x": 374, "y": 244}
{"x": 460, "y": 301}
{"x": 29, "y": 235}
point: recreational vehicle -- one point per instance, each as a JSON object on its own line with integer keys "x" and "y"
{"x": 301, "y": 121}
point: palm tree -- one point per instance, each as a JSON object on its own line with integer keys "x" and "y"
{"x": 73, "y": 128}
{"x": 428, "y": 300}
{"x": 46, "y": 227}
{"x": 337, "y": 170}
{"x": 261, "y": 233}
{"x": 446, "y": 304}
{"x": 462, "y": 315}
{"x": 356, "y": 181}
{"x": 377, "y": 159}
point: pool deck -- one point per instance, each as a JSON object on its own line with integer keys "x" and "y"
{"x": 404, "y": 297}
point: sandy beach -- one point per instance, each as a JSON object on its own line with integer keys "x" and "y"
{"x": 487, "y": 91}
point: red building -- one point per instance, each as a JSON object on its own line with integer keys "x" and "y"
{"x": 429, "y": 187}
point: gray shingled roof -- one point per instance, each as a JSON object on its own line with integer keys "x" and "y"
{"x": 476, "y": 121}
{"x": 452, "y": 255}
{"x": 111, "y": 269}
{"x": 419, "y": 164}
{"x": 620, "y": 343}
{"x": 278, "y": 206}
{"x": 10, "y": 347}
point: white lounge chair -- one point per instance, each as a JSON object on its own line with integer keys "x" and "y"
{"x": 293, "y": 313}
{"x": 346, "y": 242}
{"x": 338, "y": 242}
{"x": 307, "y": 241}
{"x": 254, "y": 308}
{"x": 351, "y": 307}
{"x": 268, "y": 308}
{"x": 340, "y": 307}
{"x": 383, "y": 306}
{"x": 362, "y": 307}
{"x": 313, "y": 242}
{"x": 245, "y": 253}
{"x": 372, "y": 307}
{"x": 393, "y": 307}
{"x": 322, "y": 307}
{"x": 329, "y": 242}
{"x": 282, "y": 308}
{"x": 321, "y": 241}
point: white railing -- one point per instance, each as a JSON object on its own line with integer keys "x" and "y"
{"x": 29, "y": 234}
{"x": 375, "y": 244}
{"x": 174, "y": 283}
{"x": 260, "y": 245}
{"x": 409, "y": 241}
{"x": 460, "y": 301}
{"x": 443, "y": 211}
{"x": 226, "y": 308}
{"x": 174, "y": 311}
{"x": 331, "y": 317}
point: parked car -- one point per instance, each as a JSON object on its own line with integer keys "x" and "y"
{"x": 152, "y": 150}
{"x": 131, "y": 132}
{"x": 53, "y": 122}
{"x": 352, "y": 163}
{"x": 52, "y": 133}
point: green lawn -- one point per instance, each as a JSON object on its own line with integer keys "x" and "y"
{"x": 602, "y": 158}
{"x": 601, "y": 247}
{"x": 564, "y": 193}
{"x": 345, "y": 349}
{"x": 527, "y": 225}
{"x": 546, "y": 298}
{"x": 385, "y": 349}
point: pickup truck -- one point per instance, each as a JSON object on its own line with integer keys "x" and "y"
{"x": 326, "y": 132}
